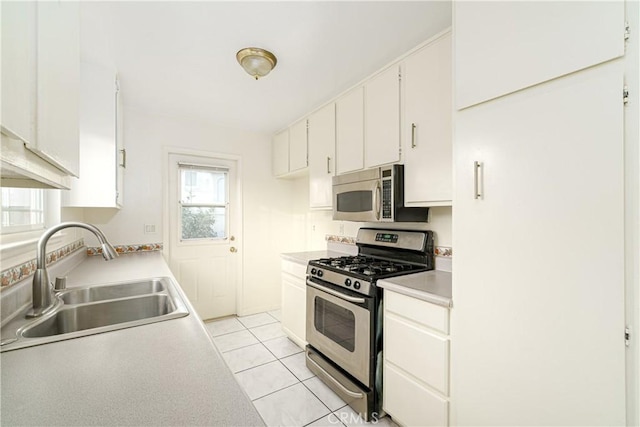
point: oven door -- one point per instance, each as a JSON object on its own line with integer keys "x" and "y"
{"x": 357, "y": 201}
{"x": 339, "y": 327}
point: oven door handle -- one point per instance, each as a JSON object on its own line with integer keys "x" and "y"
{"x": 335, "y": 381}
{"x": 336, "y": 293}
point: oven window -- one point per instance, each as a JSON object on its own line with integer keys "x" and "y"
{"x": 355, "y": 201}
{"x": 335, "y": 322}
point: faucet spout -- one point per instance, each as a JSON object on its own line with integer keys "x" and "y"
{"x": 43, "y": 295}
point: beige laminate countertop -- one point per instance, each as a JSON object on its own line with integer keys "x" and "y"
{"x": 165, "y": 373}
{"x": 432, "y": 286}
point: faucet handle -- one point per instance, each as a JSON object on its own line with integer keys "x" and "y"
{"x": 61, "y": 283}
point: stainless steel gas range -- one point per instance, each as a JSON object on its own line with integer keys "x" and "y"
{"x": 344, "y": 312}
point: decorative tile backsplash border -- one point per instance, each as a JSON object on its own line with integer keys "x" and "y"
{"x": 13, "y": 275}
{"x": 441, "y": 251}
{"x": 128, "y": 249}
{"x": 340, "y": 239}
{"x": 444, "y": 251}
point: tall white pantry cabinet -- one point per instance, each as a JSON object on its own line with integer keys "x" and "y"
{"x": 537, "y": 328}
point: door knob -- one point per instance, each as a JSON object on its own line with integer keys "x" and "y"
{"x": 232, "y": 249}
{"x": 232, "y": 238}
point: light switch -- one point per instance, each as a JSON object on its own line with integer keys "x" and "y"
{"x": 149, "y": 228}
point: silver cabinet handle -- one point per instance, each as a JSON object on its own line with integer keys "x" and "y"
{"x": 124, "y": 158}
{"x": 476, "y": 178}
{"x": 335, "y": 381}
{"x": 413, "y": 135}
{"x": 328, "y": 164}
{"x": 335, "y": 293}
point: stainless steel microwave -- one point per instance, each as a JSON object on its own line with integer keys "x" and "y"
{"x": 374, "y": 195}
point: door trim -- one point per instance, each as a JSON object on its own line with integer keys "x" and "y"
{"x": 237, "y": 215}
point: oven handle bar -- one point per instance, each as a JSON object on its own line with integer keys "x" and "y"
{"x": 336, "y": 293}
{"x": 335, "y": 381}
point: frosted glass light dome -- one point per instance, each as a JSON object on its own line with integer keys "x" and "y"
{"x": 256, "y": 62}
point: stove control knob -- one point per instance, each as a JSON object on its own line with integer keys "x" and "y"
{"x": 320, "y": 273}
{"x": 313, "y": 271}
{"x": 356, "y": 285}
{"x": 347, "y": 282}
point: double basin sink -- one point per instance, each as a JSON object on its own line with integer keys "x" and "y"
{"x": 96, "y": 309}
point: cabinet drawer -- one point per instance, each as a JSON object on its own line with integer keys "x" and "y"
{"x": 427, "y": 314}
{"x": 291, "y": 267}
{"x": 417, "y": 351}
{"x": 411, "y": 404}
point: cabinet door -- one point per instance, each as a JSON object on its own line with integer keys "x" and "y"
{"x": 294, "y": 308}
{"x": 18, "y": 69}
{"x": 121, "y": 151}
{"x": 280, "y": 153}
{"x": 382, "y": 118}
{"x": 322, "y": 149}
{"x": 97, "y": 184}
{"x": 539, "y": 296}
{"x": 505, "y": 46}
{"x": 410, "y": 402}
{"x": 58, "y": 88}
{"x": 427, "y": 125}
{"x": 298, "y": 146}
{"x": 350, "y": 131}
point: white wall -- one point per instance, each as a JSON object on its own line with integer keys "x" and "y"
{"x": 267, "y": 202}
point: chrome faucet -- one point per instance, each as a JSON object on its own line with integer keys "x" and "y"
{"x": 43, "y": 295}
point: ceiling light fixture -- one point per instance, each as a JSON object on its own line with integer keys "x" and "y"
{"x": 255, "y": 61}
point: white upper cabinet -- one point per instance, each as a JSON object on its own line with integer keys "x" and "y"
{"x": 322, "y": 149}
{"x": 41, "y": 79}
{"x": 350, "y": 131}
{"x": 280, "y": 153}
{"x": 505, "y": 46}
{"x": 382, "y": 118}
{"x": 58, "y": 88}
{"x": 102, "y": 159}
{"x": 298, "y": 146}
{"x": 426, "y": 134}
{"x": 19, "y": 69}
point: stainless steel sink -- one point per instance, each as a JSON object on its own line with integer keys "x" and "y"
{"x": 89, "y": 316}
{"x": 108, "y": 292}
{"x": 96, "y": 309}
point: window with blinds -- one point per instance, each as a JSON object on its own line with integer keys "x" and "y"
{"x": 203, "y": 202}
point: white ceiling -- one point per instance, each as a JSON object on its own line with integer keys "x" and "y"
{"x": 178, "y": 58}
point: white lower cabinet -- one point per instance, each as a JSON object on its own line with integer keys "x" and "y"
{"x": 294, "y": 303}
{"x": 416, "y": 361}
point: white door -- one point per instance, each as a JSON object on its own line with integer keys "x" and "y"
{"x": 203, "y": 216}
{"x": 537, "y": 330}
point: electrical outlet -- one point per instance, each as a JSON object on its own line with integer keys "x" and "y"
{"x": 149, "y": 228}
{"x": 342, "y": 229}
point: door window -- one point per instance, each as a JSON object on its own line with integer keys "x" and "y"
{"x": 204, "y": 202}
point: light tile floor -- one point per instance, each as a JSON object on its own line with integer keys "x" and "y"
{"x": 272, "y": 371}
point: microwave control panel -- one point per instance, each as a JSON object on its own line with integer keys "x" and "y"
{"x": 387, "y": 202}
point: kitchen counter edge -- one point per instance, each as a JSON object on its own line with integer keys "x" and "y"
{"x": 431, "y": 286}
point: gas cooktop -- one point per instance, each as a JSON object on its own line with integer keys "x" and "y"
{"x": 367, "y": 266}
